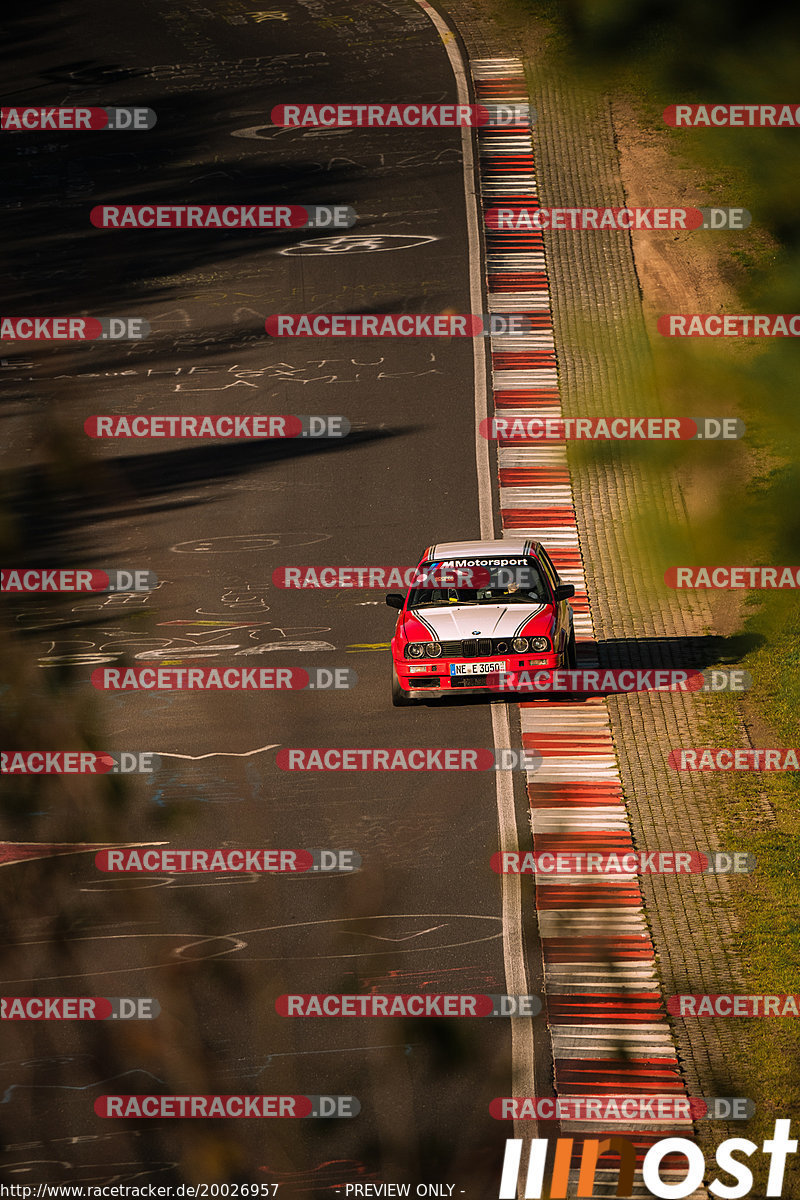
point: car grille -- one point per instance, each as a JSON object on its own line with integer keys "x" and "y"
{"x": 476, "y": 647}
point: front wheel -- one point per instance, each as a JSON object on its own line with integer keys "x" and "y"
{"x": 572, "y": 652}
{"x": 400, "y": 698}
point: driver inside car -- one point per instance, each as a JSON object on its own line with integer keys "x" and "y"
{"x": 510, "y": 591}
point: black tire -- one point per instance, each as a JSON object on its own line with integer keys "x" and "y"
{"x": 572, "y": 652}
{"x": 400, "y": 699}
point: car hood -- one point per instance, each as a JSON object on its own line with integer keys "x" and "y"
{"x": 492, "y": 620}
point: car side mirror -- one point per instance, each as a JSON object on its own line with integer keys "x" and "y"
{"x": 565, "y": 591}
{"x": 397, "y": 599}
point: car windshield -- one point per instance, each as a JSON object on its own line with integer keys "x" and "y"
{"x": 534, "y": 592}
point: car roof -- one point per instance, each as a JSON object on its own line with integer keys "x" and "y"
{"x": 504, "y": 548}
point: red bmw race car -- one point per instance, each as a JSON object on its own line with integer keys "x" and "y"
{"x": 478, "y": 615}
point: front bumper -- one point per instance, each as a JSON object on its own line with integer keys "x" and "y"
{"x": 432, "y": 676}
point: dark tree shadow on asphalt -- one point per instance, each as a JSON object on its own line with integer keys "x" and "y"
{"x": 54, "y": 514}
{"x": 678, "y": 653}
{"x": 698, "y": 653}
{"x": 56, "y": 264}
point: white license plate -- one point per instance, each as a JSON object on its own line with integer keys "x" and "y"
{"x": 477, "y": 668}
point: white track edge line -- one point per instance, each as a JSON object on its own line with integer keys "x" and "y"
{"x": 522, "y": 1047}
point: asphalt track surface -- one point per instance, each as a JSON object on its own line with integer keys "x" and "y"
{"x": 213, "y": 521}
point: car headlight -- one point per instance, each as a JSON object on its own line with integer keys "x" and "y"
{"x": 433, "y": 650}
{"x": 415, "y": 649}
{"x": 520, "y": 644}
{"x": 540, "y": 643}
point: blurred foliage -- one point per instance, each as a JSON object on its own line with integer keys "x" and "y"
{"x": 657, "y": 54}
{"x": 742, "y": 498}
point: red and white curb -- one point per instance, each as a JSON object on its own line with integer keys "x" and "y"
{"x": 605, "y": 1011}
